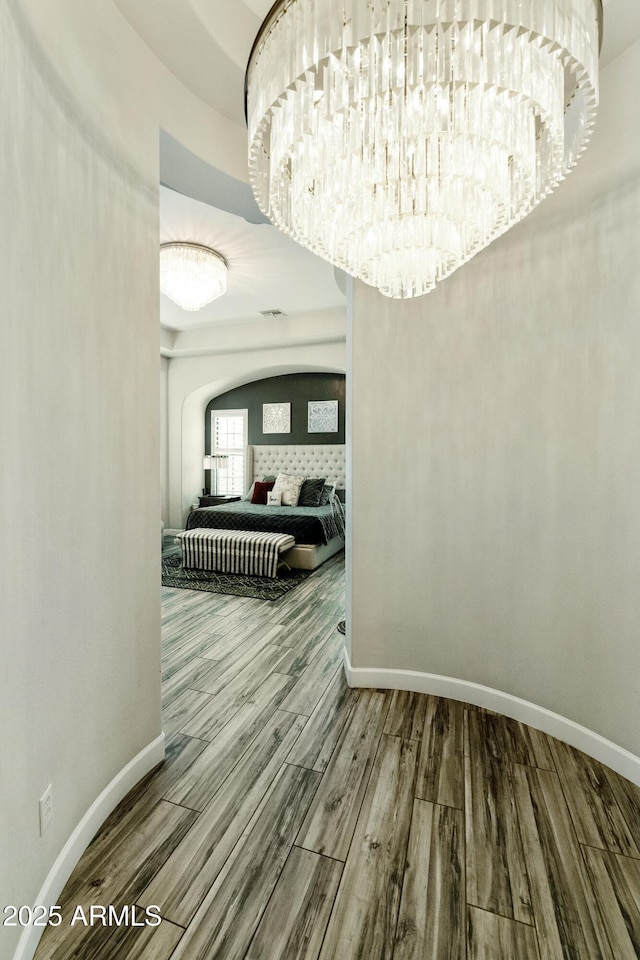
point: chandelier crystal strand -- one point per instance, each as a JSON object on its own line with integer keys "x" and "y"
{"x": 397, "y": 138}
{"x": 191, "y": 275}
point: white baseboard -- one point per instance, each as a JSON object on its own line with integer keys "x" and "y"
{"x": 114, "y": 792}
{"x": 613, "y": 756}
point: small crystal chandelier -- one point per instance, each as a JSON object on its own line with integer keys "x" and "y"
{"x": 397, "y": 138}
{"x": 191, "y": 275}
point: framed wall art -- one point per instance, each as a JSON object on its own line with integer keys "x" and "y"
{"x": 276, "y": 418}
{"x": 323, "y": 416}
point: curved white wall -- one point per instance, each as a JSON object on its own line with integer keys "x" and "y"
{"x": 81, "y": 103}
{"x": 127, "y": 89}
{"x": 508, "y": 550}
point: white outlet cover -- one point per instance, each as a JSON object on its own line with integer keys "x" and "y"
{"x": 46, "y": 809}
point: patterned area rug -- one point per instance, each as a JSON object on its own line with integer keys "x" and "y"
{"x": 234, "y": 584}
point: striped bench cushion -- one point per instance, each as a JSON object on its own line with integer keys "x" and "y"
{"x": 234, "y": 551}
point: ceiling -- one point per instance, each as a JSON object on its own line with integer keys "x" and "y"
{"x": 203, "y": 45}
{"x": 267, "y": 270}
{"x": 207, "y": 49}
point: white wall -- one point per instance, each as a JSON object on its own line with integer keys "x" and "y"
{"x": 164, "y": 437}
{"x": 79, "y": 446}
{"x": 504, "y": 547}
{"x": 130, "y": 92}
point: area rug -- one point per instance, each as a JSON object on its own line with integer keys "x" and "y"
{"x": 234, "y": 584}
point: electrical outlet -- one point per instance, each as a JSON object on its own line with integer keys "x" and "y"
{"x": 46, "y": 809}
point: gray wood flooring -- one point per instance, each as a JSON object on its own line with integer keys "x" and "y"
{"x": 295, "y": 819}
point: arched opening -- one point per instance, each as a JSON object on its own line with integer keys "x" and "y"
{"x": 192, "y": 437}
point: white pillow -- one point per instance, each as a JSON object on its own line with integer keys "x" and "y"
{"x": 274, "y": 499}
{"x": 289, "y": 488}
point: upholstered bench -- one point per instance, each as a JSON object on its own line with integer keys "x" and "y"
{"x": 234, "y": 551}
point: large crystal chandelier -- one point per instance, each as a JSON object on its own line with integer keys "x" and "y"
{"x": 397, "y": 138}
{"x": 191, "y": 275}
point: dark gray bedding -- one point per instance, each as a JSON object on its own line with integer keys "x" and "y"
{"x": 306, "y": 524}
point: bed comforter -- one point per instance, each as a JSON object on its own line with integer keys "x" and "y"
{"x": 306, "y": 524}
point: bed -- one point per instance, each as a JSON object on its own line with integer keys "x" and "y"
{"x": 318, "y": 531}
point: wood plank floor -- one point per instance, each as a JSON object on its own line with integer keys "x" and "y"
{"x": 295, "y": 819}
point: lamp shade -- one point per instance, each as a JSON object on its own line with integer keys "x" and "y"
{"x": 214, "y": 461}
{"x": 191, "y": 275}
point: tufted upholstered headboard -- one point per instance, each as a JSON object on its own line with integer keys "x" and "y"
{"x": 305, "y": 459}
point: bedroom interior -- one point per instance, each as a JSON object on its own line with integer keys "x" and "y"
{"x": 264, "y": 773}
{"x": 287, "y": 426}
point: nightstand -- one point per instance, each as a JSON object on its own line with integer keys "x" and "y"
{"x": 216, "y": 500}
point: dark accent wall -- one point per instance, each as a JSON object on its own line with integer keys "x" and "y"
{"x": 294, "y": 388}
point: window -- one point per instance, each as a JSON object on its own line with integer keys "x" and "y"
{"x": 229, "y": 439}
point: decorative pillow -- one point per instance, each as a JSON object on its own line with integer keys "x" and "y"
{"x": 260, "y": 491}
{"x": 310, "y": 492}
{"x": 289, "y": 489}
{"x": 274, "y": 499}
{"x": 327, "y": 494}
{"x": 249, "y": 492}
